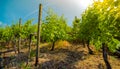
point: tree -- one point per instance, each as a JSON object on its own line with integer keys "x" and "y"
{"x": 7, "y": 35}
{"x": 54, "y": 28}
{"x": 87, "y": 27}
{"x": 27, "y": 29}
{"x": 1, "y": 32}
{"x": 100, "y": 25}
{"x": 75, "y": 29}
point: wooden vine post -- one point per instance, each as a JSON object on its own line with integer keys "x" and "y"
{"x": 38, "y": 34}
{"x": 19, "y": 39}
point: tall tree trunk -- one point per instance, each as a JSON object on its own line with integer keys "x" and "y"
{"x": 52, "y": 48}
{"x": 83, "y": 43}
{"x": 104, "y": 48}
{"x": 88, "y": 46}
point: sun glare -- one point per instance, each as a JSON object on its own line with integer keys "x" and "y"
{"x": 99, "y": 0}
{"x": 85, "y": 3}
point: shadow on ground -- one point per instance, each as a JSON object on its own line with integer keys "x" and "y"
{"x": 66, "y": 63}
{"x": 13, "y": 61}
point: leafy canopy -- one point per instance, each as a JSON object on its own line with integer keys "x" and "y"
{"x": 54, "y": 27}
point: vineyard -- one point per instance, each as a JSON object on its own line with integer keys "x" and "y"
{"x": 92, "y": 42}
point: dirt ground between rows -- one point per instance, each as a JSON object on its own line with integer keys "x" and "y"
{"x": 66, "y": 56}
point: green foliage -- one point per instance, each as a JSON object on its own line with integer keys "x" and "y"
{"x": 16, "y": 30}
{"x": 1, "y": 32}
{"x": 100, "y": 24}
{"x": 76, "y": 28}
{"x": 54, "y": 28}
{"x": 28, "y": 29}
{"x": 9, "y": 32}
{"x": 6, "y": 34}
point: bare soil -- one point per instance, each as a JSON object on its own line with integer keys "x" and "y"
{"x": 65, "y": 56}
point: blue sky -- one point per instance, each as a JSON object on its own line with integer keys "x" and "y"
{"x": 12, "y": 10}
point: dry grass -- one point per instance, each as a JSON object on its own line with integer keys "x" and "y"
{"x": 69, "y": 56}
